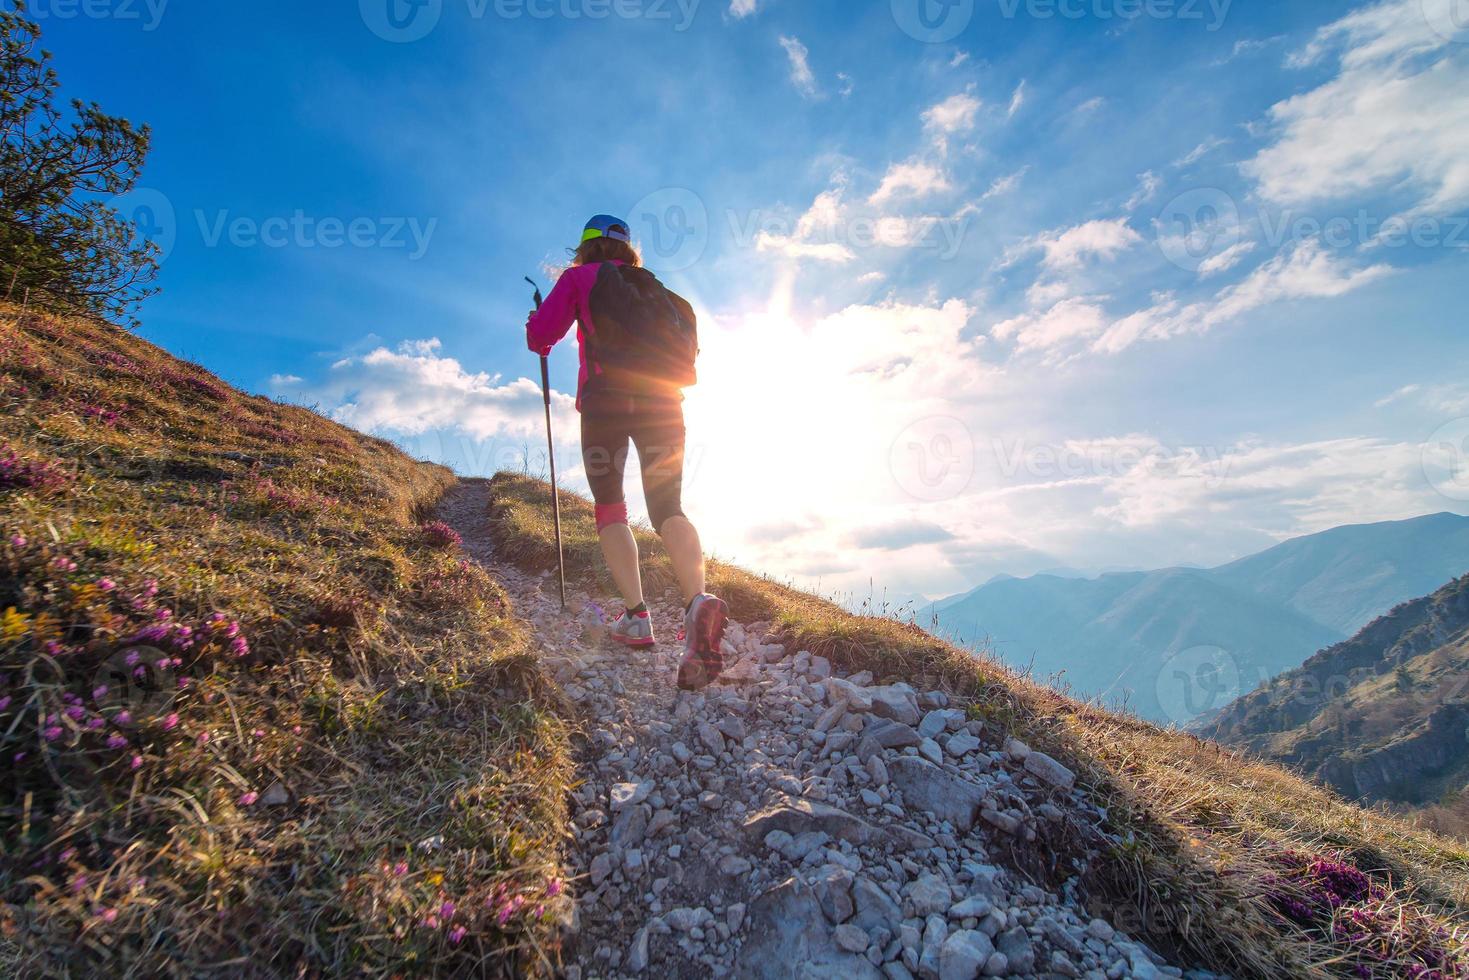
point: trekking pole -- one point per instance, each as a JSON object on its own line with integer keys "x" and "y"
{"x": 551, "y": 455}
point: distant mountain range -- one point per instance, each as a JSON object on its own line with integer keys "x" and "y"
{"x": 1381, "y": 717}
{"x": 1178, "y": 643}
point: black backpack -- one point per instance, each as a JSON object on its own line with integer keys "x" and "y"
{"x": 646, "y": 336}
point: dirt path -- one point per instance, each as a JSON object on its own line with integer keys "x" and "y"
{"x": 788, "y": 823}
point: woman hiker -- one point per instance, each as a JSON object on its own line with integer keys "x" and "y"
{"x": 638, "y": 342}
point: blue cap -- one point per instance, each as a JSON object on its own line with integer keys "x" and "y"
{"x": 606, "y": 226}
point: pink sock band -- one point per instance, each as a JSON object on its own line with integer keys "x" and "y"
{"x": 610, "y": 515}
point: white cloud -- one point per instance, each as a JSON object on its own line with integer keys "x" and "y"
{"x": 959, "y": 58}
{"x": 1005, "y": 184}
{"x": 1442, "y": 399}
{"x": 796, "y": 249}
{"x": 413, "y": 389}
{"x": 1064, "y": 323}
{"x": 1090, "y": 106}
{"x": 956, "y": 114}
{"x": 1148, "y": 184}
{"x": 284, "y": 380}
{"x": 1069, "y": 248}
{"x": 800, "y": 58}
{"x": 1017, "y": 100}
{"x": 1303, "y": 271}
{"x": 1199, "y": 152}
{"x": 1225, "y": 260}
{"x": 911, "y": 179}
{"x": 1394, "y": 119}
{"x": 740, "y": 9}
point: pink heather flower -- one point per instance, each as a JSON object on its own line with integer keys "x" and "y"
{"x": 18, "y": 541}
{"x": 106, "y": 584}
{"x": 163, "y": 615}
{"x": 66, "y": 855}
{"x": 171, "y": 722}
{"x": 505, "y": 912}
{"x": 457, "y": 934}
{"x": 203, "y": 738}
{"x": 141, "y": 673}
{"x": 53, "y": 648}
{"x": 19, "y": 757}
{"x": 124, "y": 718}
{"x": 183, "y": 683}
{"x": 553, "y": 887}
{"x": 162, "y": 664}
{"x": 133, "y": 658}
{"x": 150, "y": 588}
{"x": 447, "y": 910}
{"x": 4, "y": 702}
{"x": 296, "y": 729}
{"x": 76, "y": 712}
{"x": 71, "y": 698}
{"x": 258, "y": 733}
{"x": 108, "y": 915}
{"x": 95, "y": 723}
{"x": 116, "y": 742}
{"x": 52, "y": 733}
{"x": 99, "y": 692}
{"x": 136, "y": 763}
{"x": 431, "y": 922}
{"x": 249, "y": 798}
{"x": 400, "y": 869}
{"x": 239, "y": 647}
{"x": 79, "y": 884}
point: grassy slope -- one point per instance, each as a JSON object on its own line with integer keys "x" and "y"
{"x": 336, "y": 689}
{"x": 1215, "y": 859}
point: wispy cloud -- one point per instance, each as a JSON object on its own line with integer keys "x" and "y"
{"x": 911, "y": 179}
{"x": 740, "y": 9}
{"x": 1017, "y": 100}
{"x": 1199, "y": 152}
{"x": 1303, "y": 271}
{"x": 1395, "y": 117}
{"x": 956, "y": 114}
{"x": 1147, "y": 189}
{"x": 800, "y": 60}
{"x": 1069, "y": 248}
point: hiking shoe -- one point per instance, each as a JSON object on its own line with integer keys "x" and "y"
{"x": 633, "y": 630}
{"x": 703, "y": 631}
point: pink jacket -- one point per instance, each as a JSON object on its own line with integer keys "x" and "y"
{"x": 569, "y": 300}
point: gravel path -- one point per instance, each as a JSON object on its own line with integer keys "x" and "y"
{"x": 791, "y": 823}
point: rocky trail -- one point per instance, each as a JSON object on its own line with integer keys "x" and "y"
{"x": 787, "y": 822}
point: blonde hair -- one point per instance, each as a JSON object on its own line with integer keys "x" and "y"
{"x": 606, "y": 250}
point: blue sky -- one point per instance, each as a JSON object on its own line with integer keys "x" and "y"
{"x": 1083, "y": 283}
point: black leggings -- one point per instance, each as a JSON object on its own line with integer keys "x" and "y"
{"x": 655, "y": 425}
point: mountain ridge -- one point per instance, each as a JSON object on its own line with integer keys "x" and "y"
{"x": 1239, "y": 623}
{"x": 1379, "y": 717}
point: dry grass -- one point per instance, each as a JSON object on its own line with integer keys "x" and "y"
{"x": 253, "y": 719}
{"x": 1197, "y": 852}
